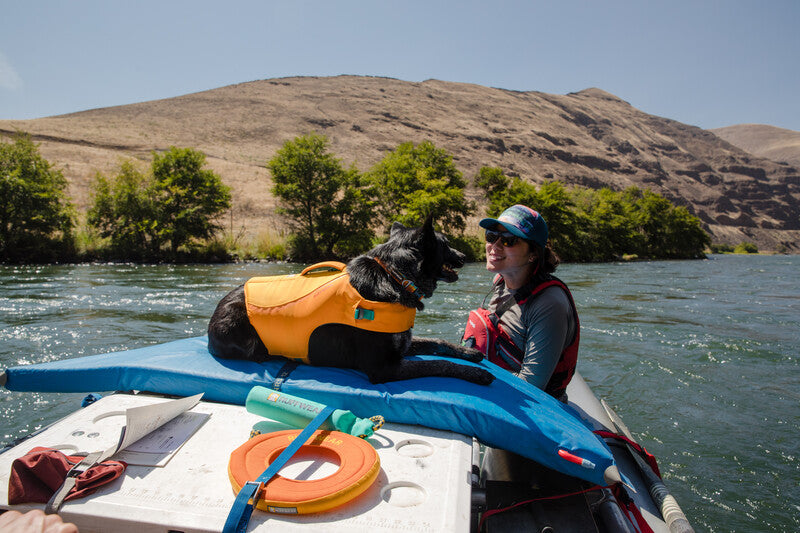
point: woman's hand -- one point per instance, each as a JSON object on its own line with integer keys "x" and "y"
{"x": 34, "y": 521}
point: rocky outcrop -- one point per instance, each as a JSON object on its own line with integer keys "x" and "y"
{"x": 590, "y": 138}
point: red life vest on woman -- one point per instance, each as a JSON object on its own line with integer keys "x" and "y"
{"x": 484, "y": 333}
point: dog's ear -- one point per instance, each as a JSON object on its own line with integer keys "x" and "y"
{"x": 428, "y": 239}
{"x": 396, "y": 227}
{"x": 428, "y": 233}
{"x": 427, "y": 226}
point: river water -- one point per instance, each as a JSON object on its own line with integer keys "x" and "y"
{"x": 699, "y": 358}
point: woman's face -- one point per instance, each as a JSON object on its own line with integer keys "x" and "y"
{"x": 512, "y": 262}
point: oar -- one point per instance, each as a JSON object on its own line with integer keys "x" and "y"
{"x": 670, "y": 510}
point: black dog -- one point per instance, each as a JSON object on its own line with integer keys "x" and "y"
{"x": 421, "y": 256}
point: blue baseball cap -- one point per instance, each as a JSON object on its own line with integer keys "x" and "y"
{"x": 521, "y": 221}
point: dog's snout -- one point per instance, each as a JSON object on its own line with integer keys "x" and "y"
{"x": 458, "y": 259}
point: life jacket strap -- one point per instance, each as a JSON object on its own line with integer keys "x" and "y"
{"x": 510, "y": 356}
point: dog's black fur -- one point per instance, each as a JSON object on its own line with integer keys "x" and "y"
{"x": 421, "y": 255}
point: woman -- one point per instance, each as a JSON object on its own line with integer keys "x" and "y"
{"x": 530, "y": 325}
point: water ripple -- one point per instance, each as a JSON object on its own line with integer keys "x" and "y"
{"x": 700, "y": 358}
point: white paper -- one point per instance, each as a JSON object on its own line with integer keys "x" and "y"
{"x": 157, "y": 447}
{"x": 140, "y": 421}
{"x": 170, "y": 436}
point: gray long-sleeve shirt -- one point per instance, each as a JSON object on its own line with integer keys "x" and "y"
{"x": 542, "y": 326}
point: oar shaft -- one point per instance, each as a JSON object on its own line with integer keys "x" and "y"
{"x": 666, "y": 503}
{"x": 670, "y": 510}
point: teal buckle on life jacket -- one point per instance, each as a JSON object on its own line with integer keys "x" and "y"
{"x": 365, "y": 314}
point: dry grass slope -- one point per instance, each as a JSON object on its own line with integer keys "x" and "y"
{"x": 778, "y": 144}
{"x": 589, "y": 138}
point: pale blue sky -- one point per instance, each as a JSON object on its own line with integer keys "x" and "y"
{"x": 702, "y": 62}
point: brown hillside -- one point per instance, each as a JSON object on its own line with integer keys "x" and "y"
{"x": 778, "y": 144}
{"x": 589, "y": 138}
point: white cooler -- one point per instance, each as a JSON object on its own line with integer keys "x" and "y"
{"x": 423, "y": 484}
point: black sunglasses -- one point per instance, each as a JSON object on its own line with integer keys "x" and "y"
{"x": 506, "y": 239}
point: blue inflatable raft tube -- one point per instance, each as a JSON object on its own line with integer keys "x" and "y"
{"x": 509, "y": 414}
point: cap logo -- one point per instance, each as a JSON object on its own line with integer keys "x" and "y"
{"x": 522, "y": 221}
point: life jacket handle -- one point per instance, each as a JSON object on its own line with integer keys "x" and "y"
{"x": 335, "y": 265}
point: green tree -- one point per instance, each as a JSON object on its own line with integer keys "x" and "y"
{"x": 494, "y": 183}
{"x": 669, "y": 231}
{"x": 414, "y": 181}
{"x": 600, "y": 225}
{"x": 177, "y": 201}
{"x": 330, "y": 208}
{"x": 745, "y": 247}
{"x": 611, "y": 228}
{"x": 189, "y": 197}
{"x": 721, "y": 248}
{"x": 36, "y": 218}
{"x": 348, "y": 228}
{"x": 568, "y": 227}
{"x": 565, "y": 224}
{"x": 123, "y": 210}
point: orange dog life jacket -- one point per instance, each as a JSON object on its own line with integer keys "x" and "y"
{"x": 285, "y": 310}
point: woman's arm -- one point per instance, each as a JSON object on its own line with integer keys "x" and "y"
{"x": 550, "y": 326}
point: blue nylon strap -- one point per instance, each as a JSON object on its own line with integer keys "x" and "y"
{"x": 242, "y": 508}
{"x": 283, "y": 373}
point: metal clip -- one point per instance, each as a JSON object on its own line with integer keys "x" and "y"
{"x": 255, "y": 488}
